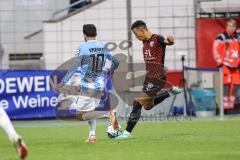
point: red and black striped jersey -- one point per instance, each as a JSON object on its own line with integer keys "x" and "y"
{"x": 154, "y": 53}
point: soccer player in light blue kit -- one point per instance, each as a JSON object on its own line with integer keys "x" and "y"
{"x": 90, "y": 72}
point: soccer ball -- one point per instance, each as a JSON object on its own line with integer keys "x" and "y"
{"x": 112, "y": 133}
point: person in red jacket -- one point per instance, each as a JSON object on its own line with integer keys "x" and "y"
{"x": 226, "y": 53}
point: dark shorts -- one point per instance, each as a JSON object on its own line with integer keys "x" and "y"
{"x": 152, "y": 86}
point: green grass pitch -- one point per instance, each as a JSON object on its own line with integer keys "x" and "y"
{"x": 188, "y": 140}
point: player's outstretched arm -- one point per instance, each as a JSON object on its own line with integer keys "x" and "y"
{"x": 77, "y": 63}
{"x": 169, "y": 40}
{"x": 114, "y": 62}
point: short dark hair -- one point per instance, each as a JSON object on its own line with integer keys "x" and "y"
{"x": 139, "y": 23}
{"x": 90, "y": 30}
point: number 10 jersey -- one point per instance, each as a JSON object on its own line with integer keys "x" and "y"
{"x": 93, "y": 63}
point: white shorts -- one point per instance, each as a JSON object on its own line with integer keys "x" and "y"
{"x": 80, "y": 103}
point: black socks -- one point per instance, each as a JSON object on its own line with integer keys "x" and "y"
{"x": 134, "y": 116}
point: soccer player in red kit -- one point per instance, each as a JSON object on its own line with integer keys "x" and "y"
{"x": 153, "y": 52}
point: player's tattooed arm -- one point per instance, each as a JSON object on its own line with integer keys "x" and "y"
{"x": 169, "y": 40}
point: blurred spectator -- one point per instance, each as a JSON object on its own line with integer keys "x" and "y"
{"x": 226, "y": 49}
{"x": 79, "y": 5}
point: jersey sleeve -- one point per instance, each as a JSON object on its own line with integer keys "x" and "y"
{"x": 161, "y": 40}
